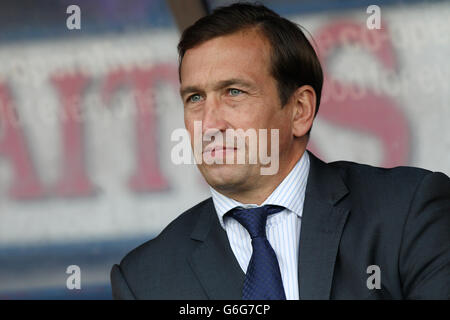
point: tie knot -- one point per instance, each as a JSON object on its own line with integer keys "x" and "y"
{"x": 254, "y": 219}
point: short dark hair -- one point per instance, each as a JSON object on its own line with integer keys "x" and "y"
{"x": 294, "y": 62}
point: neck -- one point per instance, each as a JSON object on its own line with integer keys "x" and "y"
{"x": 260, "y": 194}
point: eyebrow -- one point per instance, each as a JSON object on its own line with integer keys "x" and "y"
{"x": 220, "y": 85}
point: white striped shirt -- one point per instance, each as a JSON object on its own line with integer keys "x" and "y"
{"x": 282, "y": 229}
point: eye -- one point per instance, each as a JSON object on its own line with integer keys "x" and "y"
{"x": 194, "y": 98}
{"x": 234, "y": 91}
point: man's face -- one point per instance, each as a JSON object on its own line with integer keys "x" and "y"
{"x": 226, "y": 84}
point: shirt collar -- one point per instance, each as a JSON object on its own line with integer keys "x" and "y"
{"x": 290, "y": 193}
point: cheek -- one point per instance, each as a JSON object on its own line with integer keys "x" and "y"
{"x": 284, "y": 126}
{"x": 189, "y": 125}
{"x": 254, "y": 115}
{"x": 189, "y": 119}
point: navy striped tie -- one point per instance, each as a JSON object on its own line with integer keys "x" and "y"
{"x": 263, "y": 279}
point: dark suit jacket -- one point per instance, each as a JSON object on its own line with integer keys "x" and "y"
{"x": 354, "y": 216}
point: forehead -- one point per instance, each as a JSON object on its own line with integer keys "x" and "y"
{"x": 244, "y": 54}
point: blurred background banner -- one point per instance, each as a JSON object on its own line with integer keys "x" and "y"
{"x": 87, "y": 115}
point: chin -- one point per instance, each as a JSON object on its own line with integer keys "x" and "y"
{"x": 225, "y": 176}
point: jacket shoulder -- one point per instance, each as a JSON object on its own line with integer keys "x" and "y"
{"x": 173, "y": 239}
{"x": 387, "y": 177}
{"x": 387, "y": 193}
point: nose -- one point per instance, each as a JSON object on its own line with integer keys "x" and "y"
{"x": 213, "y": 116}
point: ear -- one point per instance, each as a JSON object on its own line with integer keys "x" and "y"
{"x": 304, "y": 108}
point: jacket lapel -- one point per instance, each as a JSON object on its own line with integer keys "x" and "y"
{"x": 213, "y": 260}
{"x": 321, "y": 229}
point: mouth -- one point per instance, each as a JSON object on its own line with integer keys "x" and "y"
{"x": 219, "y": 150}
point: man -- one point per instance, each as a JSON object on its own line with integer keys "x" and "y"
{"x": 329, "y": 231}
